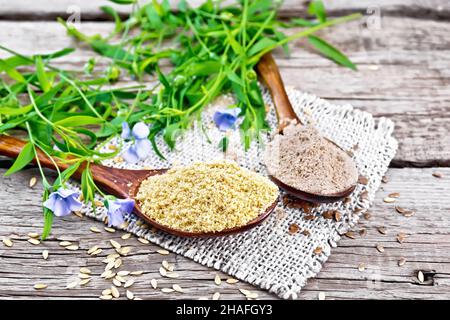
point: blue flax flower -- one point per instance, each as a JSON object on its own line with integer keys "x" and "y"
{"x": 63, "y": 202}
{"x": 116, "y": 210}
{"x": 226, "y": 119}
{"x": 141, "y": 147}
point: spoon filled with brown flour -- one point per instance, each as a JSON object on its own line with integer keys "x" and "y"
{"x": 299, "y": 159}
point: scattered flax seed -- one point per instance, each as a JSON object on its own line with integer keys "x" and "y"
{"x": 216, "y": 296}
{"x": 154, "y": 283}
{"x": 96, "y": 252}
{"x": 361, "y": 267}
{"x": 167, "y": 290}
{"x": 394, "y": 195}
{"x": 106, "y": 297}
{"x": 321, "y": 295}
{"x": 94, "y": 229}
{"x": 163, "y": 252}
{"x": 420, "y": 276}
{"x": 117, "y": 263}
{"x": 166, "y": 265}
{"x": 136, "y": 273}
{"x": 111, "y": 275}
{"x": 337, "y": 216}
{"x": 115, "y": 292}
{"x": 33, "y": 235}
{"x": 83, "y": 276}
{"x": 128, "y": 283}
{"x": 124, "y": 251}
{"x": 401, "y": 262}
{"x": 116, "y": 282}
{"x": 217, "y": 280}
{"x": 389, "y": 200}
{"x": 34, "y": 241}
{"x": 65, "y": 243}
{"x": 144, "y": 241}
{"x": 85, "y": 281}
{"x": 39, "y": 286}
{"x": 437, "y": 174}
{"x": 401, "y": 237}
{"x": 72, "y": 247}
{"x": 105, "y": 273}
{"x": 363, "y": 180}
{"x": 252, "y": 295}
{"x": 72, "y": 284}
{"x": 45, "y": 254}
{"x": 130, "y": 295}
{"x": 232, "y": 281}
{"x": 106, "y": 292}
{"x": 120, "y": 278}
{"x": 110, "y": 230}
{"x": 115, "y": 244}
{"x": 309, "y": 217}
{"x": 126, "y": 236}
{"x": 110, "y": 265}
{"x": 367, "y": 216}
{"x": 32, "y": 182}
{"x": 7, "y": 242}
{"x": 78, "y": 214}
{"x": 306, "y": 233}
{"x": 363, "y": 232}
{"x": 382, "y": 230}
{"x": 380, "y": 248}
{"x": 123, "y": 273}
{"x": 85, "y": 270}
{"x": 400, "y": 210}
{"x": 245, "y": 292}
{"x": 92, "y": 249}
{"x": 172, "y": 275}
{"x": 328, "y": 214}
{"x": 294, "y": 228}
{"x": 350, "y": 234}
{"x": 177, "y": 288}
{"x": 162, "y": 272}
{"x": 318, "y": 250}
{"x": 408, "y": 213}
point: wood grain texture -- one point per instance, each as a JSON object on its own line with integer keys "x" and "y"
{"x": 49, "y": 9}
{"x": 426, "y": 248}
{"x": 403, "y": 74}
{"x": 402, "y": 50}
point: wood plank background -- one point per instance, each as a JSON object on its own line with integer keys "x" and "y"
{"x": 402, "y": 49}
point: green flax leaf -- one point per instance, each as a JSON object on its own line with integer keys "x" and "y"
{"x": 25, "y": 157}
{"x": 331, "y": 52}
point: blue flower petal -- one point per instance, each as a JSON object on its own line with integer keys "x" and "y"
{"x": 226, "y": 119}
{"x": 126, "y": 132}
{"x": 115, "y": 218}
{"x": 141, "y": 130}
{"x": 63, "y": 202}
{"x": 143, "y": 148}
{"x": 117, "y": 209}
{"x": 130, "y": 155}
{"x": 61, "y": 208}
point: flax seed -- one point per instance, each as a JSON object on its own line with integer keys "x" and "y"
{"x": 34, "y": 241}
{"x": 163, "y": 252}
{"x": 144, "y": 241}
{"x": 32, "y": 182}
{"x": 217, "y": 280}
{"x": 216, "y": 296}
{"x": 126, "y": 236}
{"x": 154, "y": 283}
{"x": 7, "y": 242}
{"x": 130, "y": 295}
{"x": 94, "y": 229}
{"x": 45, "y": 254}
{"x": 401, "y": 262}
{"x": 39, "y": 286}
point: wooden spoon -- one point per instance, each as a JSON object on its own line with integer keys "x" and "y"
{"x": 270, "y": 75}
{"x": 121, "y": 183}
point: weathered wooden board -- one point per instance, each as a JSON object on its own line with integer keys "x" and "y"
{"x": 47, "y": 9}
{"x": 395, "y": 78}
{"x": 426, "y": 248}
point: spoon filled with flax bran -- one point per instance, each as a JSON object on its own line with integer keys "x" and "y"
{"x": 299, "y": 159}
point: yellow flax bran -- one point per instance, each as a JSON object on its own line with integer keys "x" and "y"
{"x": 206, "y": 197}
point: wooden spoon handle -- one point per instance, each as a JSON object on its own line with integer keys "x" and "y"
{"x": 11, "y": 147}
{"x": 105, "y": 177}
{"x": 270, "y": 75}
